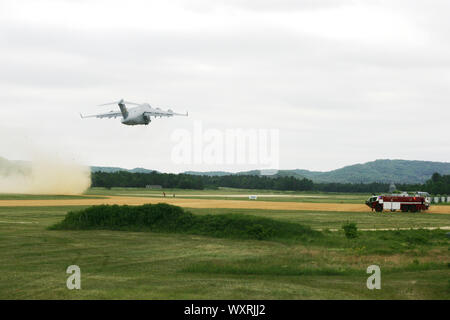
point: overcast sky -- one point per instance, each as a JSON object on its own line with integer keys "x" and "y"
{"x": 344, "y": 82}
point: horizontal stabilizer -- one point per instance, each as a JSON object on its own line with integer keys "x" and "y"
{"x": 119, "y": 102}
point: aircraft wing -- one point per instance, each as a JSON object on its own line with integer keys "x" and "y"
{"x": 110, "y": 114}
{"x": 162, "y": 113}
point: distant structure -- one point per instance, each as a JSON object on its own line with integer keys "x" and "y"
{"x": 253, "y": 197}
{"x": 153, "y": 186}
{"x": 392, "y": 187}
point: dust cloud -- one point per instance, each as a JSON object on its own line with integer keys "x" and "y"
{"x": 44, "y": 175}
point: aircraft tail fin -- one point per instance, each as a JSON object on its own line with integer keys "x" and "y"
{"x": 123, "y": 108}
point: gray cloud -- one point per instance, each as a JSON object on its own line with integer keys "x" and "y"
{"x": 331, "y": 87}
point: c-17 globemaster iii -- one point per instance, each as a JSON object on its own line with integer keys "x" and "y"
{"x": 140, "y": 114}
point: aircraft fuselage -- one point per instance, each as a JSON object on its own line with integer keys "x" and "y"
{"x": 137, "y": 115}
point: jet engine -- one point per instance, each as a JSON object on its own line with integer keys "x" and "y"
{"x": 147, "y": 119}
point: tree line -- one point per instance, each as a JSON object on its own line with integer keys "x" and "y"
{"x": 438, "y": 184}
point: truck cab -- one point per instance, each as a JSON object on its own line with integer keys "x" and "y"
{"x": 373, "y": 203}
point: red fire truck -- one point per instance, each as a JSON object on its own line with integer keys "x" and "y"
{"x": 403, "y": 202}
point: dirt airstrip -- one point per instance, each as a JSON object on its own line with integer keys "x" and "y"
{"x": 204, "y": 203}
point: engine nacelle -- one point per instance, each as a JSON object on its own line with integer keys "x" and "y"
{"x": 147, "y": 119}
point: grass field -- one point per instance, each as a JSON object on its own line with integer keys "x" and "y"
{"x": 236, "y": 194}
{"x": 240, "y": 194}
{"x": 147, "y": 265}
{"x": 219, "y": 191}
{"x": 334, "y": 219}
{"x": 15, "y": 196}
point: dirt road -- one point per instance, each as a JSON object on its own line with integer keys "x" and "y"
{"x": 204, "y": 203}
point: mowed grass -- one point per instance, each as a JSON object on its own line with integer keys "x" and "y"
{"x": 169, "y": 191}
{"x": 334, "y": 219}
{"x": 17, "y": 196}
{"x": 230, "y": 194}
{"x": 210, "y": 194}
{"x": 147, "y": 265}
{"x": 240, "y": 194}
{"x": 290, "y": 198}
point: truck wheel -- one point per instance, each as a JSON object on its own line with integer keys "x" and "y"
{"x": 413, "y": 209}
{"x": 378, "y": 208}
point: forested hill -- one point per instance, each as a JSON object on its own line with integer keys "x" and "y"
{"x": 386, "y": 171}
{"x": 398, "y": 171}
